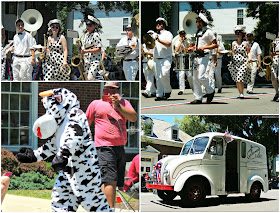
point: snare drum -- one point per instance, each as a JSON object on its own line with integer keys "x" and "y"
{"x": 183, "y": 62}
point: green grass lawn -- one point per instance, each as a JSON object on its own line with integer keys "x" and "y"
{"x": 44, "y": 194}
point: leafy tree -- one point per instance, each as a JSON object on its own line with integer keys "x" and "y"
{"x": 127, "y": 6}
{"x": 194, "y": 124}
{"x": 268, "y": 15}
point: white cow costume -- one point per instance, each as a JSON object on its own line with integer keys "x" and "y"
{"x": 70, "y": 142}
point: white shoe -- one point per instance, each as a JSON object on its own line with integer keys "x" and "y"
{"x": 241, "y": 96}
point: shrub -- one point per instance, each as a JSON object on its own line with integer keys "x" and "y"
{"x": 32, "y": 181}
{"x": 9, "y": 163}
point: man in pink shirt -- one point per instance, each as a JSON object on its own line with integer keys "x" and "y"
{"x": 110, "y": 115}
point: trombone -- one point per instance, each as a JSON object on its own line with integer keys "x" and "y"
{"x": 77, "y": 61}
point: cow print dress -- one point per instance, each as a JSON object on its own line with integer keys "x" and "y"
{"x": 237, "y": 67}
{"x": 92, "y": 60}
{"x": 54, "y": 62}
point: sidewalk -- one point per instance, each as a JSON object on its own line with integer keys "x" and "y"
{"x": 14, "y": 203}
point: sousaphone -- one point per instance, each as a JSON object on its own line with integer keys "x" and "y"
{"x": 32, "y": 19}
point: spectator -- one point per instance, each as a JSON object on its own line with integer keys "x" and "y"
{"x": 133, "y": 173}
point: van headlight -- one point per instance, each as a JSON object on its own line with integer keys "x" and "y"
{"x": 166, "y": 175}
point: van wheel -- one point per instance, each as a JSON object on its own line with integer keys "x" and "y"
{"x": 222, "y": 198}
{"x": 193, "y": 193}
{"x": 255, "y": 192}
{"x": 166, "y": 195}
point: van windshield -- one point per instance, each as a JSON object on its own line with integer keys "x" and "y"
{"x": 196, "y": 146}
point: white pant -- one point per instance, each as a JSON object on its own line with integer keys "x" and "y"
{"x": 162, "y": 74}
{"x": 200, "y": 78}
{"x": 22, "y": 69}
{"x": 182, "y": 79}
{"x": 218, "y": 74}
{"x": 130, "y": 69}
{"x": 149, "y": 76}
{"x": 253, "y": 76}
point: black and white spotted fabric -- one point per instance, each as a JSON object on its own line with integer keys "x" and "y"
{"x": 54, "y": 62}
{"x": 237, "y": 67}
{"x": 79, "y": 183}
{"x": 3, "y": 66}
{"x": 92, "y": 60}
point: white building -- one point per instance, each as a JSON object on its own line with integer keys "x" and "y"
{"x": 225, "y": 18}
{"x": 113, "y": 25}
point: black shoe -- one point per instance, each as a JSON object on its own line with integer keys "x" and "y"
{"x": 167, "y": 95}
{"x": 275, "y": 97}
{"x": 277, "y": 100}
{"x": 180, "y": 93}
{"x": 160, "y": 98}
{"x": 205, "y": 96}
{"x": 250, "y": 92}
{"x": 220, "y": 90}
{"x": 196, "y": 102}
{"x": 153, "y": 95}
{"x": 146, "y": 95}
{"x": 210, "y": 97}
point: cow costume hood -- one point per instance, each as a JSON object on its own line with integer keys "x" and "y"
{"x": 57, "y": 102}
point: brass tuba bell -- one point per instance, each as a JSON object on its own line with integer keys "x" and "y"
{"x": 32, "y": 19}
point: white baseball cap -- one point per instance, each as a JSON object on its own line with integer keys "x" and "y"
{"x": 162, "y": 19}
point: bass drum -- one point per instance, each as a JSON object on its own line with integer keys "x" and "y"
{"x": 183, "y": 62}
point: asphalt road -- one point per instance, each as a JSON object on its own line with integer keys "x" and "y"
{"x": 223, "y": 103}
{"x": 269, "y": 202}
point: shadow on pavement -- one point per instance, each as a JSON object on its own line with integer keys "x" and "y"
{"x": 175, "y": 204}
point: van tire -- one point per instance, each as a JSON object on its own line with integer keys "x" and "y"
{"x": 193, "y": 193}
{"x": 167, "y": 195}
{"x": 255, "y": 192}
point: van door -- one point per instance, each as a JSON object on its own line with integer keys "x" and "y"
{"x": 213, "y": 163}
{"x": 232, "y": 176}
{"x": 243, "y": 167}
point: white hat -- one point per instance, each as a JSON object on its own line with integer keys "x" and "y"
{"x": 151, "y": 31}
{"x": 162, "y": 19}
{"x": 54, "y": 21}
{"x": 181, "y": 30}
{"x": 92, "y": 19}
{"x": 239, "y": 28}
{"x": 203, "y": 18}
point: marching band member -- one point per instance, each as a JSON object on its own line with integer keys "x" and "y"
{"x": 130, "y": 61}
{"x": 150, "y": 90}
{"x": 241, "y": 54}
{"x": 24, "y": 56}
{"x": 256, "y": 55}
{"x": 91, "y": 49}
{"x": 181, "y": 45}
{"x": 215, "y": 66}
{"x": 275, "y": 69}
{"x": 162, "y": 59}
{"x": 205, "y": 39}
{"x": 57, "y": 57}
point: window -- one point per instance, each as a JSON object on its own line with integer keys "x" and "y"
{"x": 174, "y": 134}
{"x": 216, "y": 146}
{"x": 148, "y": 169}
{"x": 243, "y": 150}
{"x": 16, "y": 114}
{"x": 11, "y": 8}
{"x": 142, "y": 169}
{"x": 130, "y": 92}
{"x": 30, "y": 5}
{"x": 240, "y": 20}
{"x": 125, "y": 23}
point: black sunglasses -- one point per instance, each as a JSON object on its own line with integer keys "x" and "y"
{"x": 55, "y": 26}
{"x": 249, "y": 35}
{"x": 89, "y": 24}
{"x": 238, "y": 33}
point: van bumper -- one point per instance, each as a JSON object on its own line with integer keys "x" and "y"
{"x": 159, "y": 186}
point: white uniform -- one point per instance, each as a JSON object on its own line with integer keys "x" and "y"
{"x": 255, "y": 51}
{"x": 200, "y": 63}
{"x": 162, "y": 63}
{"x": 149, "y": 74}
{"x": 22, "y": 68}
{"x": 183, "y": 73}
{"x": 130, "y": 63}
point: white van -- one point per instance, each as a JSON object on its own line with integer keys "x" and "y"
{"x": 208, "y": 165}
